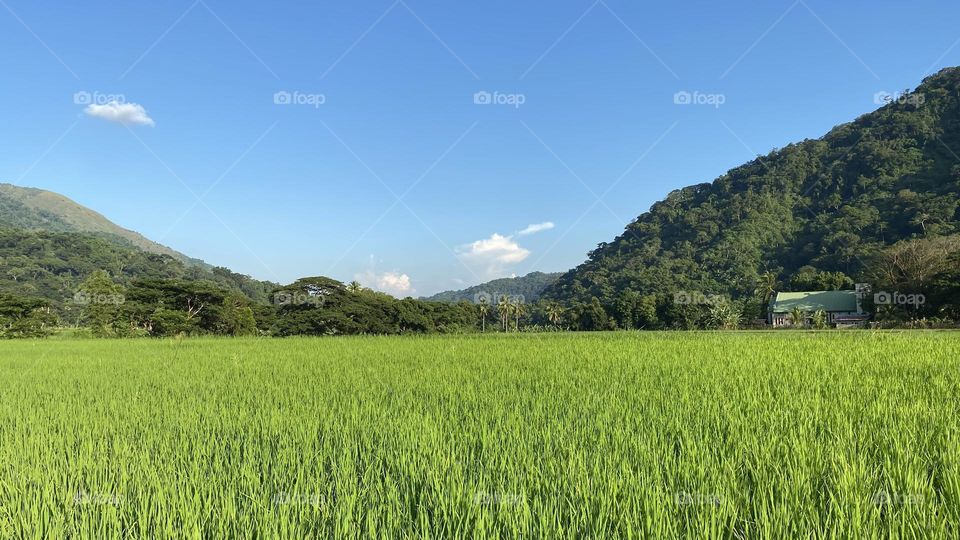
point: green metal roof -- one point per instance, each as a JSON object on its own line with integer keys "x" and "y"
{"x": 811, "y": 301}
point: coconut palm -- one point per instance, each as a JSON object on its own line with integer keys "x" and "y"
{"x": 503, "y": 310}
{"x": 518, "y": 311}
{"x": 354, "y": 287}
{"x": 555, "y": 314}
{"x": 484, "y": 310}
{"x": 766, "y": 286}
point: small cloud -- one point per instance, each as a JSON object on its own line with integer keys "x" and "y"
{"x": 393, "y": 283}
{"x": 120, "y": 113}
{"x": 537, "y": 227}
{"x": 493, "y": 254}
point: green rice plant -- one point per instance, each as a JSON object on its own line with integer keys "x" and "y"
{"x": 608, "y": 435}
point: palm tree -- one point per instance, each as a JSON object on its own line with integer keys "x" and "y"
{"x": 798, "y": 317}
{"x": 555, "y": 314}
{"x": 503, "y": 309}
{"x": 766, "y": 286}
{"x": 518, "y": 310}
{"x": 484, "y": 309}
{"x": 354, "y": 287}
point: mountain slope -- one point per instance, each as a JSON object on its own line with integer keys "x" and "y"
{"x": 822, "y": 205}
{"x": 49, "y": 245}
{"x": 530, "y": 287}
{"x": 40, "y": 210}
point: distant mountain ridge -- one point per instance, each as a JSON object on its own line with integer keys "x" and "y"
{"x": 530, "y": 287}
{"x": 40, "y": 210}
{"x": 49, "y": 244}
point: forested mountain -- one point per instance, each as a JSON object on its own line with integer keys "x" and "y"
{"x": 818, "y": 210}
{"x": 40, "y": 210}
{"x": 53, "y": 265}
{"x": 530, "y": 287}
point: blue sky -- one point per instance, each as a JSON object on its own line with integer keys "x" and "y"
{"x": 355, "y": 140}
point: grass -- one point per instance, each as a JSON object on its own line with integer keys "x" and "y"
{"x": 652, "y": 435}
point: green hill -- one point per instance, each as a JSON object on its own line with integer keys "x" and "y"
{"x": 530, "y": 287}
{"x": 40, "y": 210}
{"x": 821, "y": 207}
{"x": 49, "y": 245}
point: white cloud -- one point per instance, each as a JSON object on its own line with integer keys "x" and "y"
{"x": 121, "y": 113}
{"x": 537, "y": 227}
{"x": 393, "y": 283}
{"x": 493, "y": 255}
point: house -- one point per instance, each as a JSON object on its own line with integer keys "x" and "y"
{"x": 842, "y": 308}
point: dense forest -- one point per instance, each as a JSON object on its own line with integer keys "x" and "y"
{"x": 816, "y": 214}
{"x": 874, "y": 201}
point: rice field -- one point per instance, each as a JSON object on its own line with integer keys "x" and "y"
{"x": 618, "y": 435}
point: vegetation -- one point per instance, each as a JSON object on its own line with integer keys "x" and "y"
{"x": 39, "y": 210}
{"x": 528, "y": 287}
{"x": 814, "y": 215}
{"x": 876, "y": 201}
{"x": 657, "y": 435}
